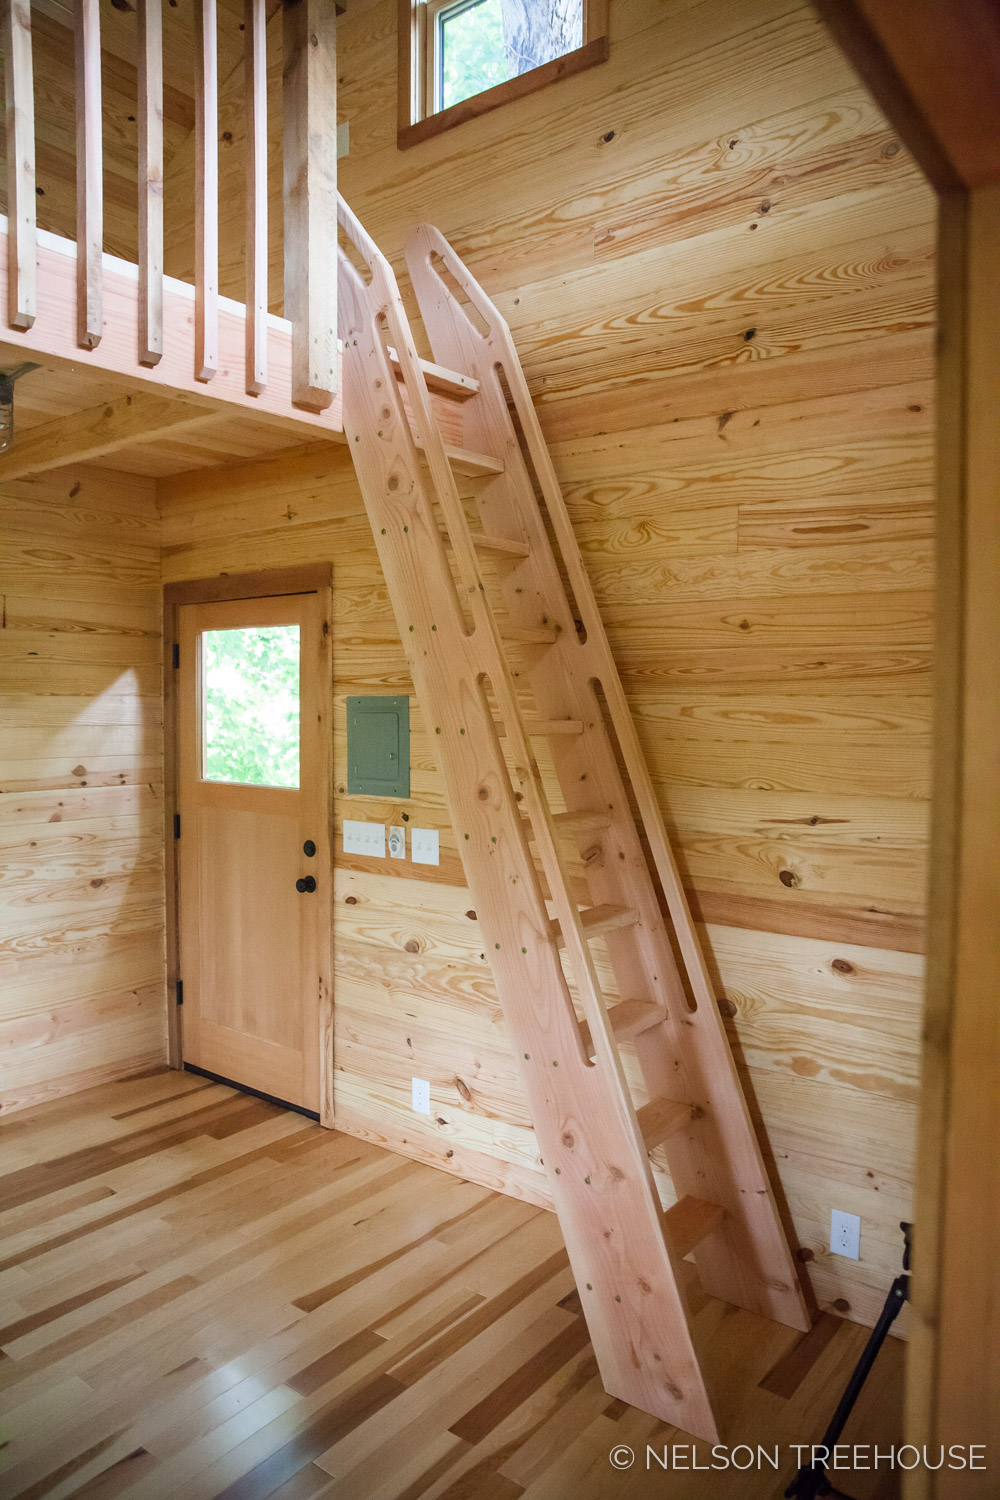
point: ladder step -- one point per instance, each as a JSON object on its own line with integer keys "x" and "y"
{"x": 627, "y": 1019}
{"x": 473, "y": 465}
{"x": 660, "y": 1118}
{"x": 583, "y": 821}
{"x": 450, "y": 382}
{"x": 598, "y": 919}
{"x": 538, "y": 635}
{"x": 546, "y": 726}
{"x": 688, "y": 1222}
{"x": 497, "y": 544}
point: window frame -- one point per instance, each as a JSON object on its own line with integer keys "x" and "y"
{"x": 417, "y": 66}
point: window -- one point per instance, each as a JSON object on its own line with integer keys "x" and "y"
{"x": 250, "y": 705}
{"x": 465, "y": 57}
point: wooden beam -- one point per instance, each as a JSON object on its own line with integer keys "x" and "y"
{"x": 953, "y": 1381}
{"x": 255, "y": 42}
{"x": 93, "y": 434}
{"x": 310, "y": 190}
{"x": 15, "y": 38}
{"x": 150, "y": 88}
{"x": 206, "y": 191}
{"x": 935, "y": 70}
{"x": 89, "y": 175}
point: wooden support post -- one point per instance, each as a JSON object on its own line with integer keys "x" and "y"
{"x": 89, "y": 176}
{"x": 150, "y": 84}
{"x": 310, "y": 183}
{"x": 255, "y": 43}
{"x": 15, "y": 39}
{"x": 206, "y": 191}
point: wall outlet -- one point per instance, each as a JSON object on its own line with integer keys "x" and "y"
{"x": 364, "y": 838}
{"x": 397, "y": 843}
{"x": 424, "y": 846}
{"x": 845, "y": 1234}
{"x": 421, "y": 1096}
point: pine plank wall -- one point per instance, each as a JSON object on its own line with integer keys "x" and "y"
{"x": 718, "y": 263}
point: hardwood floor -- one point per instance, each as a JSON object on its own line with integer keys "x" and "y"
{"x": 204, "y": 1296}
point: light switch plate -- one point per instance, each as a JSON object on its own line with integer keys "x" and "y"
{"x": 364, "y": 838}
{"x": 421, "y": 1096}
{"x": 397, "y": 843}
{"x": 425, "y": 846}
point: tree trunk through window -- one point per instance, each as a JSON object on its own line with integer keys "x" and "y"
{"x": 535, "y": 31}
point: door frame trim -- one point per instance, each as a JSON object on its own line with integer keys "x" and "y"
{"x": 312, "y": 578}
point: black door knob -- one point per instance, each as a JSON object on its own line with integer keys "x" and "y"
{"x": 307, "y": 883}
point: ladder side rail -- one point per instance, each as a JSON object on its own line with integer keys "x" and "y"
{"x": 750, "y": 1194}
{"x": 613, "y": 1226}
{"x": 386, "y": 292}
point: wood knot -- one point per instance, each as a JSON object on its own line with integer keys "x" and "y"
{"x": 616, "y": 1174}
{"x": 789, "y": 878}
{"x": 392, "y": 483}
{"x": 471, "y": 916}
{"x": 350, "y": 900}
{"x": 674, "y": 1391}
{"x": 727, "y": 1008}
{"x": 804, "y": 1254}
{"x": 96, "y": 884}
{"x": 568, "y": 1138}
{"x": 464, "y": 1090}
{"x": 483, "y": 794}
{"x": 411, "y": 945}
{"x": 842, "y": 966}
{"x": 644, "y": 1286}
{"x": 841, "y": 1305}
{"x": 78, "y": 771}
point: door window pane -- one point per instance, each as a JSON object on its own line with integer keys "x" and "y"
{"x": 481, "y": 43}
{"x": 251, "y": 705}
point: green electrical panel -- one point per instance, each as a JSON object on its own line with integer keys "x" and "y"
{"x": 378, "y": 747}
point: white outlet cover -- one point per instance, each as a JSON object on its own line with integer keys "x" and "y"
{"x": 845, "y": 1234}
{"x": 397, "y": 843}
{"x": 425, "y": 846}
{"x": 421, "y": 1096}
{"x": 364, "y": 838}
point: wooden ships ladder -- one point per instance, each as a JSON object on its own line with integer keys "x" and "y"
{"x": 509, "y": 658}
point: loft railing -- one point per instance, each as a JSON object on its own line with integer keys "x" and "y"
{"x": 309, "y": 200}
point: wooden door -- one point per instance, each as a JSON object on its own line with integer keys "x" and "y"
{"x": 253, "y": 854}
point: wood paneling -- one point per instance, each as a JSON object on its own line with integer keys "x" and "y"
{"x": 81, "y": 862}
{"x": 718, "y": 262}
{"x": 295, "y": 1313}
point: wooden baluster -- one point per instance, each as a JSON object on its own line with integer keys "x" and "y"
{"x": 89, "y": 176}
{"x": 15, "y": 37}
{"x": 255, "y": 24}
{"x": 310, "y": 182}
{"x": 150, "y": 84}
{"x": 206, "y": 191}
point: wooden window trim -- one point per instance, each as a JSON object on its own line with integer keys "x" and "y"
{"x": 414, "y": 66}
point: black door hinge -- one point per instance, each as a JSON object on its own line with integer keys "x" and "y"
{"x": 177, "y": 825}
{"x": 180, "y": 991}
{"x": 177, "y": 654}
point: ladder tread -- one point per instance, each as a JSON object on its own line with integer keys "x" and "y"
{"x": 660, "y": 1119}
{"x": 545, "y": 726}
{"x": 472, "y": 465}
{"x": 438, "y": 378}
{"x": 584, "y": 820}
{"x": 597, "y": 919}
{"x": 530, "y": 635}
{"x": 689, "y": 1221}
{"x": 499, "y": 544}
{"x": 627, "y": 1018}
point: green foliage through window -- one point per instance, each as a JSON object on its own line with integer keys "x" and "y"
{"x": 485, "y": 42}
{"x": 251, "y": 698}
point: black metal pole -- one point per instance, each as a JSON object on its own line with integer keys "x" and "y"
{"x": 811, "y": 1481}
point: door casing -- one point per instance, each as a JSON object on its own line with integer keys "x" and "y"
{"x": 315, "y": 578}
